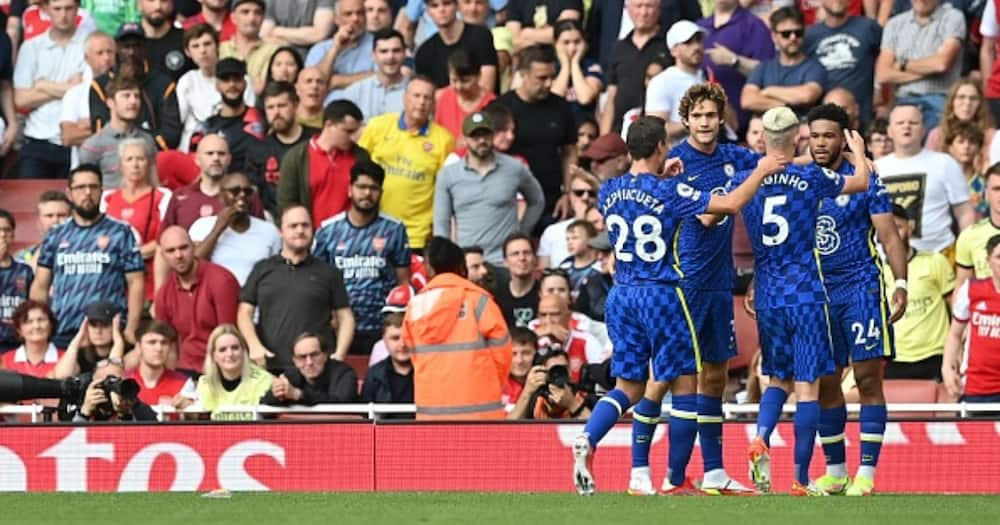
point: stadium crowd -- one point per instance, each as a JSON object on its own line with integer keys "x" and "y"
{"x": 250, "y": 200}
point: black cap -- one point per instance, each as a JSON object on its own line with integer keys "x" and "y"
{"x": 230, "y": 66}
{"x": 130, "y": 29}
{"x": 101, "y": 311}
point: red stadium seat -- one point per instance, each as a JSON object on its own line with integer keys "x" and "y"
{"x": 20, "y": 197}
{"x": 747, "y": 341}
{"x": 911, "y": 391}
{"x": 360, "y": 365}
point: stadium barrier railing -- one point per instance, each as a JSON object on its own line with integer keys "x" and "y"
{"x": 375, "y": 411}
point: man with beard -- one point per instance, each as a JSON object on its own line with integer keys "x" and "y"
{"x": 284, "y": 133}
{"x": 159, "y": 113}
{"x": 196, "y": 297}
{"x": 860, "y": 319}
{"x": 235, "y": 121}
{"x": 234, "y": 239}
{"x": 123, "y": 99}
{"x": 708, "y": 277}
{"x": 89, "y": 258}
{"x": 371, "y": 249}
{"x": 477, "y": 192}
{"x": 791, "y": 78}
{"x": 164, "y": 42}
{"x": 295, "y": 293}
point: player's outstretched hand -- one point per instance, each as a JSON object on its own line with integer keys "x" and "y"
{"x": 856, "y": 143}
{"x": 673, "y": 167}
{"x": 898, "y": 305}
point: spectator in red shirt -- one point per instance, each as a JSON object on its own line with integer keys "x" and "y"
{"x": 196, "y": 297}
{"x": 36, "y": 356}
{"x": 463, "y": 96}
{"x": 201, "y": 197}
{"x": 525, "y": 347}
{"x": 138, "y": 202}
{"x": 316, "y": 174}
{"x": 159, "y": 385}
{"x": 216, "y": 14}
{"x": 974, "y": 329}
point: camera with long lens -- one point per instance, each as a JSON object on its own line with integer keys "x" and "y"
{"x": 127, "y": 389}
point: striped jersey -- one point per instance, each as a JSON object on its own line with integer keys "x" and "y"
{"x": 368, "y": 257}
{"x": 88, "y": 264}
{"x": 15, "y": 283}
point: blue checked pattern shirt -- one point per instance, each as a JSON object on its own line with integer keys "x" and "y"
{"x": 781, "y": 223}
{"x": 845, "y": 237}
{"x": 706, "y": 253}
{"x": 643, "y": 214}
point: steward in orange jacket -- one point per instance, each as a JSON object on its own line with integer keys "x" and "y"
{"x": 461, "y": 348}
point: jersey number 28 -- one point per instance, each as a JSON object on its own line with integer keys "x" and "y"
{"x": 647, "y": 230}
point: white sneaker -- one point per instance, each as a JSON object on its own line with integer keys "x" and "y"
{"x": 582, "y": 462}
{"x": 640, "y": 484}
{"x": 726, "y": 487}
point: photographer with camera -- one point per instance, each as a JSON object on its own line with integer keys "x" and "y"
{"x": 548, "y": 392}
{"x": 108, "y": 397}
{"x": 555, "y": 332}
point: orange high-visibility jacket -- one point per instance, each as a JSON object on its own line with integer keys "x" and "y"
{"x": 461, "y": 350}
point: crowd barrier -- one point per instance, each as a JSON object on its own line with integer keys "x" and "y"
{"x": 918, "y": 456}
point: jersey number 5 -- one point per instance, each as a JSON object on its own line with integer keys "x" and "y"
{"x": 647, "y": 230}
{"x": 770, "y": 217}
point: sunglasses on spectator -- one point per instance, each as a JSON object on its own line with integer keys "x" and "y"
{"x": 582, "y": 193}
{"x": 798, "y": 33}
{"x": 236, "y": 190}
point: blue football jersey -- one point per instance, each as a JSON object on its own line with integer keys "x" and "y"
{"x": 706, "y": 253}
{"x": 89, "y": 264}
{"x": 643, "y": 215}
{"x": 368, "y": 258}
{"x": 781, "y": 223}
{"x": 845, "y": 237}
{"x": 15, "y": 283}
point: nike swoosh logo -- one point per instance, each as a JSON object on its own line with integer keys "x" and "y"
{"x": 871, "y": 347}
{"x": 693, "y": 177}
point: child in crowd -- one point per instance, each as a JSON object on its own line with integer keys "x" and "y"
{"x": 581, "y": 263}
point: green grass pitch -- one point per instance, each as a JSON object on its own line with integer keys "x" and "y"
{"x": 486, "y": 509}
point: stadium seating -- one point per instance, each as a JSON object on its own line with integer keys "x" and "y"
{"x": 911, "y": 391}
{"x": 20, "y": 197}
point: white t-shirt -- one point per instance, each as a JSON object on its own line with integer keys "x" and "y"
{"x": 238, "y": 252}
{"x": 988, "y": 26}
{"x": 553, "y": 243}
{"x": 40, "y": 58}
{"x": 664, "y": 92}
{"x": 198, "y": 99}
{"x": 927, "y": 184}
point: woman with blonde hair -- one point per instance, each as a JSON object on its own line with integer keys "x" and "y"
{"x": 139, "y": 201}
{"x": 230, "y": 377}
{"x": 965, "y": 103}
